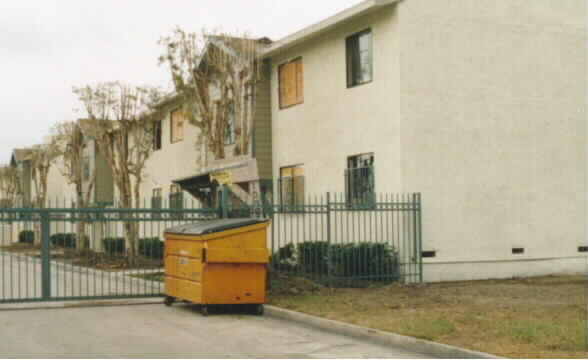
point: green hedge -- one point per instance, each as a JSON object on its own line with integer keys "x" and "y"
{"x": 313, "y": 256}
{"x": 114, "y": 245}
{"x": 68, "y": 240}
{"x": 26, "y": 237}
{"x": 362, "y": 261}
{"x": 151, "y": 247}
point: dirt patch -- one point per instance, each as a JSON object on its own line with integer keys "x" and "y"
{"x": 531, "y": 318}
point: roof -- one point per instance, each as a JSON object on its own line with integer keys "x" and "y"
{"x": 319, "y": 28}
{"x": 19, "y": 155}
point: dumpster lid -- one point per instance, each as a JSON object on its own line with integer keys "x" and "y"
{"x": 212, "y": 226}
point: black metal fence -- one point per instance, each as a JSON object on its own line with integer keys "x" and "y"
{"x": 341, "y": 243}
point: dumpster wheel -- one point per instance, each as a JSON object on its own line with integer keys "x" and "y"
{"x": 204, "y": 310}
{"x": 169, "y": 300}
{"x": 259, "y": 310}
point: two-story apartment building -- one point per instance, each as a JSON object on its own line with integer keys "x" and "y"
{"x": 479, "y": 106}
{"x": 183, "y": 162}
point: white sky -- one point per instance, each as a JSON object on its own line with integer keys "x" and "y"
{"x": 49, "y": 46}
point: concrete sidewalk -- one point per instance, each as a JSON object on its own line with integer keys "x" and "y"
{"x": 155, "y": 331}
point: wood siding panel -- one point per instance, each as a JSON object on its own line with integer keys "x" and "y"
{"x": 263, "y": 126}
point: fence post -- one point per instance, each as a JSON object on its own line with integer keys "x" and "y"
{"x": 329, "y": 253}
{"x": 224, "y": 202}
{"x": 418, "y": 234}
{"x": 45, "y": 256}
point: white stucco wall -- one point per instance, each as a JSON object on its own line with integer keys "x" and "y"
{"x": 335, "y": 122}
{"x": 493, "y": 108}
{"x": 172, "y": 162}
{"x": 59, "y": 192}
{"x": 480, "y": 106}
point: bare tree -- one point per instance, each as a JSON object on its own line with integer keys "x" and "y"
{"x": 121, "y": 117}
{"x": 215, "y": 76}
{"x": 69, "y": 140}
{"x": 42, "y": 158}
{"x": 8, "y": 185}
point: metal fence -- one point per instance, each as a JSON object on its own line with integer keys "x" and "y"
{"x": 94, "y": 253}
{"x": 64, "y": 253}
{"x": 340, "y": 243}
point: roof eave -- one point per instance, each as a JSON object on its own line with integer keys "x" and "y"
{"x": 325, "y": 25}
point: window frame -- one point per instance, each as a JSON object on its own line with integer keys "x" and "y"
{"x": 230, "y": 131}
{"x": 295, "y": 202}
{"x": 158, "y": 135}
{"x": 349, "y": 61}
{"x": 171, "y": 126}
{"x": 280, "y": 66}
{"x": 365, "y": 201}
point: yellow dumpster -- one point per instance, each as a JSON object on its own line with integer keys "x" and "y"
{"x": 217, "y": 262}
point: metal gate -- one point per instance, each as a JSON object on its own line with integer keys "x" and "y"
{"x": 95, "y": 253}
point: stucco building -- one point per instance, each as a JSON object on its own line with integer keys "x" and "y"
{"x": 479, "y": 106}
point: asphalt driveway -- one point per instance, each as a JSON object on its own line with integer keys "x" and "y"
{"x": 155, "y": 331}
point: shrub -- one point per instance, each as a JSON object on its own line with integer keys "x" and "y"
{"x": 369, "y": 261}
{"x": 151, "y": 247}
{"x": 284, "y": 258}
{"x": 313, "y": 256}
{"x": 114, "y": 245}
{"x": 26, "y": 237}
{"x": 68, "y": 240}
{"x": 361, "y": 261}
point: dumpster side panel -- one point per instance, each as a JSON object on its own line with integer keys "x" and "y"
{"x": 234, "y": 284}
{"x": 177, "y": 247}
{"x": 183, "y": 267}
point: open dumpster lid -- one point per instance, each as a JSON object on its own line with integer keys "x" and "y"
{"x": 212, "y": 226}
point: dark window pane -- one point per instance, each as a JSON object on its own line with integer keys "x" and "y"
{"x": 359, "y": 58}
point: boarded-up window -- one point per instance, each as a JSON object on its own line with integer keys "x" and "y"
{"x": 177, "y": 126}
{"x": 292, "y": 187}
{"x": 291, "y": 80}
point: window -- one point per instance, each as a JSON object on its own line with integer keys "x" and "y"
{"x": 230, "y": 126}
{"x": 359, "y": 181}
{"x": 156, "y": 200}
{"x": 86, "y": 168}
{"x": 359, "y": 58}
{"x": 157, "y": 135}
{"x": 292, "y": 187}
{"x": 176, "y": 200}
{"x": 177, "y": 126}
{"x": 291, "y": 83}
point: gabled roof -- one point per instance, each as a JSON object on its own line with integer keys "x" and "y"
{"x": 309, "y": 32}
{"x": 19, "y": 155}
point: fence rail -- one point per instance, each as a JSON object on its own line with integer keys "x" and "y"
{"x": 342, "y": 243}
{"x": 97, "y": 253}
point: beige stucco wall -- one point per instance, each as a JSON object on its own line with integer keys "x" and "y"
{"x": 59, "y": 192}
{"x": 174, "y": 161}
{"x": 480, "y": 106}
{"x": 335, "y": 122}
{"x": 493, "y": 108}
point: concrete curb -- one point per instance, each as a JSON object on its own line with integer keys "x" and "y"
{"x": 407, "y": 343}
{"x": 78, "y": 304}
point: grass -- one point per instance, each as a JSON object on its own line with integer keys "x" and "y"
{"x": 520, "y": 318}
{"x": 158, "y": 276}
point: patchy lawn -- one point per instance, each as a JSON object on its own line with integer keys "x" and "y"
{"x": 88, "y": 258}
{"x": 157, "y": 276}
{"x": 522, "y": 318}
